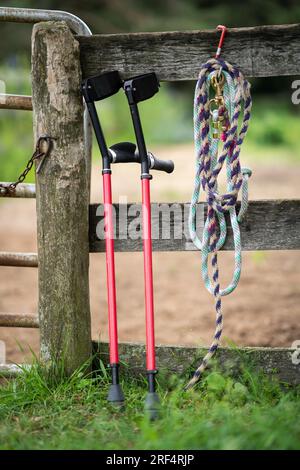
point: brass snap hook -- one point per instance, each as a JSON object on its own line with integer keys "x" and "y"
{"x": 218, "y": 81}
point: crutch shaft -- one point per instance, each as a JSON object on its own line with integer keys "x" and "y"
{"x": 110, "y": 269}
{"x": 148, "y": 276}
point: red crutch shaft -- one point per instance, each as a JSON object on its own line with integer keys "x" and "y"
{"x": 148, "y": 276}
{"x": 110, "y": 270}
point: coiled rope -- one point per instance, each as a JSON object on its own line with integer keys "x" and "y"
{"x": 208, "y": 167}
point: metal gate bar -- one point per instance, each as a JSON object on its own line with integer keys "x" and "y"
{"x": 19, "y": 320}
{"x": 21, "y": 102}
{"x": 23, "y": 190}
{"x": 25, "y": 260}
{"x": 77, "y": 26}
{"x": 32, "y": 15}
{"x": 10, "y": 371}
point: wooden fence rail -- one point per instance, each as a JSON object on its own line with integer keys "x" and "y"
{"x": 179, "y": 360}
{"x": 261, "y": 51}
{"x": 268, "y": 225}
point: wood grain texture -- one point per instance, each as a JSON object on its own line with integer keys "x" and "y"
{"x": 182, "y": 360}
{"x": 268, "y": 225}
{"x": 62, "y": 198}
{"x": 261, "y": 51}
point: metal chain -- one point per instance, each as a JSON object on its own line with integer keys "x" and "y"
{"x": 38, "y": 154}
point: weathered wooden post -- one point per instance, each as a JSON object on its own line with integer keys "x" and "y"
{"x": 62, "y": 198}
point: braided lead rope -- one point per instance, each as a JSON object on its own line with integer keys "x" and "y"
{"x": 229, "y": 94}
{"x": 244, "y": 204}
{"x": 196, "y": 193}
{"x": 197, "y": 185}
{"x": 208, "y": 167}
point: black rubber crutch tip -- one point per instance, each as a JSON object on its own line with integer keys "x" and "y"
{"x": 116, "y": 396}
{"x": 152, "y": 405}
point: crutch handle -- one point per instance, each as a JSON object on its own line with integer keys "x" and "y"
{"x": 160, "y": 165}
{"x": 126, "y": 152}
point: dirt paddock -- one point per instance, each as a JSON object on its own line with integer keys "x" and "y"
{"x": 264, "y": 310}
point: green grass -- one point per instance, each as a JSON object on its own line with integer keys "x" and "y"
{"x": 251, "y": 412}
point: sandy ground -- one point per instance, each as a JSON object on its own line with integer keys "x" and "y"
{"x": 264, "y": 310}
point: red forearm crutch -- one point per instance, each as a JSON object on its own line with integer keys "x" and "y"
{"x": 94, "y": 89}
{"x": 139, "y": 89}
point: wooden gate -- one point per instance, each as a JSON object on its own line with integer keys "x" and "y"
{"x": 66, "y": 221}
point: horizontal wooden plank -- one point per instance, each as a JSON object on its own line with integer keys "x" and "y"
{"x": 25, "y": 260}
{"x": 268, "y": 225}
{"x": 19, "y": 320}
{"x": 182, "y": 360}
{"x": 260, "y": 51}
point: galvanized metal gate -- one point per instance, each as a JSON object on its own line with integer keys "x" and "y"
{"x": 25, "y": 190}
